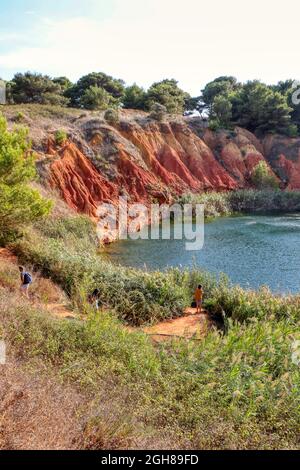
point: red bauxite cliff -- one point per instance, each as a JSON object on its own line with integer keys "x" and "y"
{"x": 153, "y": 161}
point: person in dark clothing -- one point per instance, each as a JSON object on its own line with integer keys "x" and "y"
{"x": 94, "y": 299}
{"x": 26, "y": 281}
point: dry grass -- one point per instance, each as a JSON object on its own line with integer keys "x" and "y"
{"x": 36, "y": 412}
{"x": 33, "y": 404}
{"x": 41, "y": 411}
{"x": 239, "y": 391}
{"x": 43, "y": 291}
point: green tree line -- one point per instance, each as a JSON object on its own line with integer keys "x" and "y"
{"x": 258, "y": 107}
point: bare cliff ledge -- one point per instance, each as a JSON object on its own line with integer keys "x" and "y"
{"x": 148, "y": 160}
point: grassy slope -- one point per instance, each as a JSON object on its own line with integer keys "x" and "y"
{"x": 237, "y": 391}
{"x": 50, "y": 378}
{"x": 240, "y": 391}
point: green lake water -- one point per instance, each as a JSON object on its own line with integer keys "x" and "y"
{"x": 252, "y": 250}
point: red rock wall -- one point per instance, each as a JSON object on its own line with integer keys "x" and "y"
{"x": 156, "y": 161}
{"x": 283, "y": 153}
{"x": 80, "y": 184}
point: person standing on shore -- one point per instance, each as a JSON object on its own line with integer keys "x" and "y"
{"x": 199, "y": 298}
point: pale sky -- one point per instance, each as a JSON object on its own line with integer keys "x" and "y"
{"x": 144, "y": 41}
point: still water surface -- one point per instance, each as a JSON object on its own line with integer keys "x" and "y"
{"x": 251, "y": 250}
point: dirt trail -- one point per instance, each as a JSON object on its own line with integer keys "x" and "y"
{"x": 59, "y": 310}
{"x": 7, "y": 255}
{"x": 189, "y": 326}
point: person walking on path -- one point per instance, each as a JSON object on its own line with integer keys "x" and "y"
{"x": 26, "y": 281}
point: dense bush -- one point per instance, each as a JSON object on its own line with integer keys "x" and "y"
{"x": 262, "y": 178}
{"x": 86, "y": 91}
{"x": 243, "y": 306}
{"x": 222, "y": 111}
{"x": 264, "y": 201}
{"x": 253, "y": 105}
{"x": 260, "y": 109}
{"x": 19, "y": 203}
{"x": 221, "y": 86}
{"x": 112, "y": 116}
{"x": 134, "y": 97}
{"x": 36, "y": 88}
{"x": 95, "y": 98}
{"x": 215, "y": 204}
{"x": 158, "y": 112}
{"x": 60, "y": 137}
{"x": 244, "y": 201}
{"x": 168, "y": 94}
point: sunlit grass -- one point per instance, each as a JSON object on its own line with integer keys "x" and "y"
{"x": 240, "y": 390}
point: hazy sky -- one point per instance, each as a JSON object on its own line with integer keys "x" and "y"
{"x": 193, "y": 41}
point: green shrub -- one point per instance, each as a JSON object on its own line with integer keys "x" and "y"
{"x": 158, "y": 112}
{"x": 60, "y": 137}
{"x": 20, "y": 204}
{"x": 112, "y": 116}
{"x": 20, "y": 117}
{"x": 292, "y": 130}
{"x": 215, "y": 204}
{"x": 36, "y": 88}
{"x": 262, "y": 178}
{"x": 169, "y": 95}
{"x": 96, "y": 98}
{"x": 214, "y": 124}
{"x": 243, "y": 306}
{"x": 244, "y": 201}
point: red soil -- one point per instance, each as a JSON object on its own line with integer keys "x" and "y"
{"x": 189, "y": 326}
{"x": 80, "y": 184}
{"x": 158, "y": 161}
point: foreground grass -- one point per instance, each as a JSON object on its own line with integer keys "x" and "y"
{"x": 239, "y": 390}
{"x": 235, "y": 391}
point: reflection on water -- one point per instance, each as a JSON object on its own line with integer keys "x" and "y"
{"x": 251, "y": 250}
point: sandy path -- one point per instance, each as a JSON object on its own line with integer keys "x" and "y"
{"x": 190, "y": 325}
{"x": 60, "y": 311}
{"x": 57, "y": 309}
{"x": 7, "y": 255}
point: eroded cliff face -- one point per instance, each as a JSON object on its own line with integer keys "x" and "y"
{"x": 145, "y": 161}
{"x": 283, "y": 154}
{"x": 239, "y": 152}
{"x": 149, "y": 161}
